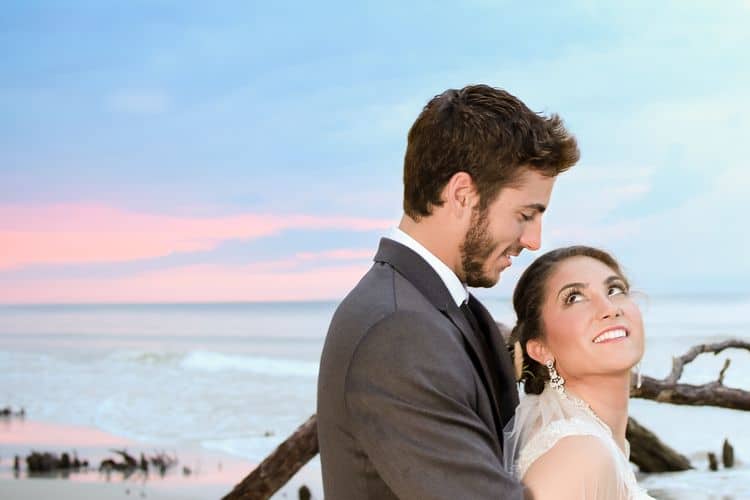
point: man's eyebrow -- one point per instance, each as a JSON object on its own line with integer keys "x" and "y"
{"x": 572, "y": 285}
{"x": 536, "y": 206}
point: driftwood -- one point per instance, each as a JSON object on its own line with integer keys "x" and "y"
{"x": 273, "y": 472}
{"x": 649, "y": 453}
{"x": 129, "y": 464}
{"x": 50, "y": 462}
{"x": 669, "y": 390}
{"x": 8, "y": 412}
{"x": 646, "y": 450}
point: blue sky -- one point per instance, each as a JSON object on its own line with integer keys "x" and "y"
{"x": 184, "y": 112}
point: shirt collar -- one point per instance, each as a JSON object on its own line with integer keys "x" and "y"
{"x": 457, "y": 289}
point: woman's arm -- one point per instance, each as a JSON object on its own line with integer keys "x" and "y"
{"x": 575, "y": 468}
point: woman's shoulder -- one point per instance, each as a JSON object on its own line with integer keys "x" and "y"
{"x": 563, "y": 437}
{"x": 581, "y": 449}
{"x": 574, "y": 467}
{"x": 566, "y": 432}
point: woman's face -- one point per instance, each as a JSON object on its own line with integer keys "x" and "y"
{"x": 592, "y": 325}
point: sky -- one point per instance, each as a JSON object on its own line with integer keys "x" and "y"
{"x": 157, "y": 151}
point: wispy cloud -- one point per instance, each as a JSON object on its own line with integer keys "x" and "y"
{"x": 79, "y": 233}
{"x": 339, "y": 254}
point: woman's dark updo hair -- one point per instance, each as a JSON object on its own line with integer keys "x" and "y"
{"x": 528, "y": 298}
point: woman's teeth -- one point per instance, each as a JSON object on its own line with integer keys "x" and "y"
{"x": 611, "y": 334}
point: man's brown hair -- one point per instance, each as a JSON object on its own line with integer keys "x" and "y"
{"x": 486, "y": 132}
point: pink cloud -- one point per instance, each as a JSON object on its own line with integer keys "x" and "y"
{"x": 198, "y": 283}
{"x": 83, "y": 233}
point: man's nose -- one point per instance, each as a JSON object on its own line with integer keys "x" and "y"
{"x": 531, "y": 237}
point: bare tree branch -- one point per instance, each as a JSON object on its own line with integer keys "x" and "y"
{"x": 711, "y": 394}
{"x": 279, "y": 467}
{"x": 723, "y": 371}
{"x": 679, "y": 362}
{"x": 669, "y": 390}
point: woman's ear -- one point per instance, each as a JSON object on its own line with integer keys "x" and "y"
{"x": 538, "y": 351}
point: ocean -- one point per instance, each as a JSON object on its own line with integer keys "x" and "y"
{"x": 240, "y": 377}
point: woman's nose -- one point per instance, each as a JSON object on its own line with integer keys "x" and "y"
{"x": 608, "y": 308}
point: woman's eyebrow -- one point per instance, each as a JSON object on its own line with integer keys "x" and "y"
{"x": 572, "y": 285}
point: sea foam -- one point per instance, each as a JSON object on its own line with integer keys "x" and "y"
{"x": 214, "y": 362}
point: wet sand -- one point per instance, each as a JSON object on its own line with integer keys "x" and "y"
{"x": 212, "y": 474}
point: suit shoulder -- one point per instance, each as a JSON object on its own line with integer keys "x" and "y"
{"x": 407, "y": 338}
{"x": 381, "y": 291}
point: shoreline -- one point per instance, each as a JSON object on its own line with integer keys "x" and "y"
{"x": 212, "y": 474}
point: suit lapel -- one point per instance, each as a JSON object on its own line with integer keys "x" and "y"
{"x": 415, "y": 269}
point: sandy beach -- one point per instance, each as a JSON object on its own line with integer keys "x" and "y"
{"x": 211, "y": 474}
{"x": 13, "y": 489}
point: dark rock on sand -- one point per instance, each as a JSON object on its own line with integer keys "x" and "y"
{"x": 712, "y": 462}
{"x": 42, "y": 462}
{"x": 8, "y": 412}
{"x": 304, "y": 493}
{"x": 727, "y": 454}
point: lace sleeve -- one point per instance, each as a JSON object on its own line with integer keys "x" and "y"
{"x": 544, "y": 440}
{"x": 576, "y": 467}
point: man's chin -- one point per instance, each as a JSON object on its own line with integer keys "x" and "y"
{"x": 484, "y": 281}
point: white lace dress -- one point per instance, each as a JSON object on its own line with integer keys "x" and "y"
{"x": 542, "y": 421}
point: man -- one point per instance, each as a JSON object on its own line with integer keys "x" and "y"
{"x": 415, "y": 382}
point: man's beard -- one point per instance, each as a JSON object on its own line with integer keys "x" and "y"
{"x": 476, "y": 249}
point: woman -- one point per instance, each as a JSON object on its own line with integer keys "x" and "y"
{"x": 579, "y": 333}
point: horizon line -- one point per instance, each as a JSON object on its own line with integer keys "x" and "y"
{"x": 671, "y": 295}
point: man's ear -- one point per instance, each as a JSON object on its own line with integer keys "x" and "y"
{"x": 538, "y": 351}
{"x": 460, "y": 194}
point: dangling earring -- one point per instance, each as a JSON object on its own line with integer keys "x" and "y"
{"x": 638, "y": 377}
{"x": 555, "y": 380}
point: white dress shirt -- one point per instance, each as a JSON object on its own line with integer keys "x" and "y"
{"x": 457, "y": 289}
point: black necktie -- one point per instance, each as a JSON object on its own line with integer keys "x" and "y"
{"x": 489, "y": 358}
{"x": 469, "y": 314}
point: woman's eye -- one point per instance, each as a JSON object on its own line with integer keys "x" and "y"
{"x": 615, "y": 290}
{"x": 573, "y": 298}
{"x": 526, "y": 217}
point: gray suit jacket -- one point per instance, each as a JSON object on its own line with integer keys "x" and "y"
{"x": 408, "y": 405}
